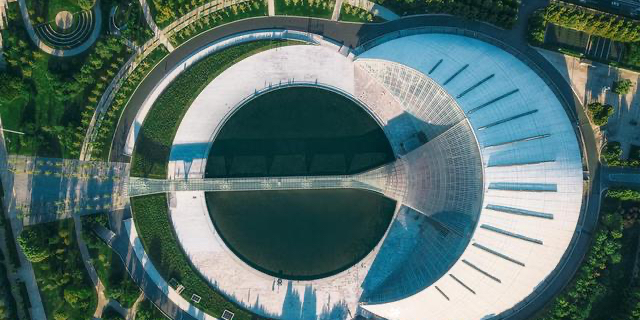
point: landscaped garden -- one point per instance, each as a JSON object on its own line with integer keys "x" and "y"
{"x": 354, "y": 14}
{"x": 54, "y": 98}
{"x": 117, "y": 283}
{"x": 65, "y": 287}
{"x": 153, "y": 146}
{"x": 248, "y": 9}
{"x": 130, "y": 20}
{"x": 41, "y": 11}
{"x": 305, "y": 8}
{"x": 151, "y": 217}
{"x": 597, "y": 23}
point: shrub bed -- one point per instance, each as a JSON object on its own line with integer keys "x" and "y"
{"x": 148, "y": 311}
{"x": 253, "y": 8}
{"x": 306, "y": 8}
{"x": 612, "y": 154}
{"x": 355, "y": 14}
{"x": 8, "y": 308}
{"x": 153, "y": 146}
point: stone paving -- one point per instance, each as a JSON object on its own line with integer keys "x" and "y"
{"x": 48, "y": 189}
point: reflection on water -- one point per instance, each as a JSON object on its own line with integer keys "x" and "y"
{"x": 303, "y": 234}
{"x": 298, "y": 131}
{"x": 300, "y": 234}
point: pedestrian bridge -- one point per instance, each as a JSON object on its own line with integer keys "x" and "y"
{"x": 388, "y": 180}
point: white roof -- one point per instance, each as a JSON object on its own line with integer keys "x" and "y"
{"x": 527, "y": 142}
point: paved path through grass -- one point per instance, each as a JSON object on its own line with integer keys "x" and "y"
{"x": 146, "y": 10}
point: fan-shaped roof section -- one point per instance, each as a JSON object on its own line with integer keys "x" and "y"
{"x": 532, "y": 165}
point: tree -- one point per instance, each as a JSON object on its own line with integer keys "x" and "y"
{"x": 622, "y": 87}
{"x": 34, "y": 245}
{"x": 85, "y": 4}
{"x": 77, "y": 297}
{"x": 11, "y": 86}
{"x": 599, "y": 112}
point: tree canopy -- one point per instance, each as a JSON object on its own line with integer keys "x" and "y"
{"x": 34, "y": 245}
{"x": 599, "y": 112}
{"x": 622, "y": 87}
{"x": 593, "y": 22}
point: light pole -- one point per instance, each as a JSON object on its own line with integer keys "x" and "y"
{"x": 12, "y": 131}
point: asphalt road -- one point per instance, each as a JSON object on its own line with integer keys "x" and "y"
{"x": 353, "y": 35}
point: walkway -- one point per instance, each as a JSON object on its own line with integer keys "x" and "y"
{"x": 86, "y": 259}
{"x": 25, "y": 272}
{"x": 272, "y": 7}
{"x": 146, "y": 10}
{"x": 97, "y": 12}
{"x": 336, "y": 10}
{"x": 387, "y": 180}
{"x": 64, "y": 187}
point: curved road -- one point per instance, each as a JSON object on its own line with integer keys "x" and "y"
{"x": 353, "y": 35}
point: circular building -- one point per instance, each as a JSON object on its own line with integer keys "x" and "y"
{"x": 432, "y": 176}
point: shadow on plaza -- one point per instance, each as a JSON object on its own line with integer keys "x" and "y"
{"x": 296, "y": 307}
{"x": 51, "y": 190}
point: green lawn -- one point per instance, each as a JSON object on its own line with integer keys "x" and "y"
{"x": 153, "y": 146}
{"x": 154, "y": 227}
{"x": 111, "y": 271}
{"x": 65, "y": 286}
{"x": 305, "y": 8}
